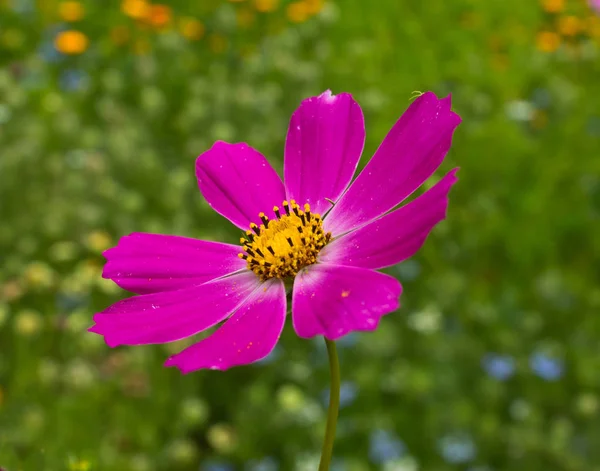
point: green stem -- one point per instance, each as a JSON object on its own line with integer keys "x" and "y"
{"x": 334, "y": 405}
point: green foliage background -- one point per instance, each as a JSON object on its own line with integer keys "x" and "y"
{"x": 491, "y": 364}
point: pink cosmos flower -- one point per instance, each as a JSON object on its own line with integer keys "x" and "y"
{"x": 317, "y": 233}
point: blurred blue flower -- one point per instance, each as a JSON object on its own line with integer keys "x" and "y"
{"x": 34, "y": 80}
{"x": 408, "y": 270}
{"x": 69, "y": 301}
{"x": 48, "y": 52}
{"x": 500, "y": 367}
{"x": 216, "y": 466}
{"x": 385, "y": 446}
{"x": 5, "y": 113}
{"x": 265, "y": 464}
{"x": 541, "y": 98}
{"x": 348, "y": 341}
{"x": 546, "y": 367}
{"x": 338, "y": 465}
{"x": 457, "y": 448}
{"x": 593, "y": 126}
{"x": 73, "y": 80}
{"x": 271, "y": 357}
{"x": 348, "y": 393}
{"x": 24, "y": 7}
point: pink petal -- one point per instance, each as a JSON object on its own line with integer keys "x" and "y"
{"x": 413, "y": 149}
{"x": 248, "y": 336}
{"x": 238, "y": 182}
{"x": 173, "y": 315}
{"x": 149, "y": 263}
{"x": 323, "y": 146}
{"x": 335, "y": 300}
{"x": 395, "y": 236}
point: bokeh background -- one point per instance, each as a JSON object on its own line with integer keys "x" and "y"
{"x": 493, "y": 361}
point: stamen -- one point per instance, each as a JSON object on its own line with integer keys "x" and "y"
{"x": 264, "y": 219}
{"x": 307, "y": 211}
{"x": 250, "y": 236}
{"x": 286, "y": 207}
{"x": 289, "y": 239}
{"x": 276, "y": 211}
{"x": 270, "y": 249}
{"x": 259, "y": 252}
{"x": 255, "y": 228}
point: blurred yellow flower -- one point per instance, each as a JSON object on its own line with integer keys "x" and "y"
{"x": 119, "y": 35}
{"x": 222, "y": 437}
{"x": 553, "y": 6}
{"x": 62, "y": 251}
{"x": 90, "y": 270}
{"x": 592, "y": 26}
{"x": 159, "y": 15}
{"x": 38, "y": 274}
{"x": 314, "y": 6}
{"x": 245, "y": 17}
{"x": 540, "y": 119}
{"x": 71, "y": 11}
{"x": 98, "y": 241}
{"x": 471, "y": 20}
{"x": 547, "y": 41}
{"x": 569, "y": 25}
{"x": 500, "y": 62}
{"x": 71, "y": 42}
{"x": 137, "y": 9}
{"x": 12, "y": 38}
{"x": 297, "y": 12}
{"x": 79, "y": 465}
{"x": 3, "y": 313}
{"x": 266, "y": 6}
{"x": 191, "y": 28}
{"x": 217, "y": 43}
{"x": 28, "y": 322}
{"x": 11, "y": 290}
{"x": 141, "y": 46}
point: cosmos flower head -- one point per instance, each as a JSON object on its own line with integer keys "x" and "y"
{"x": 316, "y": 238}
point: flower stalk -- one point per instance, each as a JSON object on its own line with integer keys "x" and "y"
{"x": 334, "y": 405}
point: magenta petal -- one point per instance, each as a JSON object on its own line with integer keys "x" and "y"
{"x": 173, "y": 315}
{"x": 334, "y": 300}
{"x": 248, "y": 336}
{"x": 395, "y": 236}
{"x": 150, "y": 263}
{"x": 413, "y": 149}
{"x": 238, "y": 182}
{"x": 322, "y": 149}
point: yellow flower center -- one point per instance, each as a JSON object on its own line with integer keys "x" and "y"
{"x": 280, "y": 248}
